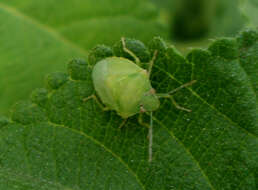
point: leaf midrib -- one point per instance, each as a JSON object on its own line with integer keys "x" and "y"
{"x": 91, "y": 138}
{"x": 95, "y": 141}
{"x": 186, "y": 150}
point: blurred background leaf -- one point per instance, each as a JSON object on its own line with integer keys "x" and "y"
{"x": 250, "y": 10}
{"x": 223, "y": 18}
{"x": 193, "y": 23}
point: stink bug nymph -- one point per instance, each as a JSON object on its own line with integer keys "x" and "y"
{"x": 123, "y": 86}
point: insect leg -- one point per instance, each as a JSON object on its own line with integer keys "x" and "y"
{"x": 140, "y": 121}
{"x": 173, "y": 101}
{"x": 179, "y": 107}
{"x": 150, "y": 137}
{"x": 94, "y": 97}
{"x": 150, "y": 127}
{"x": 137, "y": 60}
{"x": 182, "y": 86}
{"x": 169, "y": 95}
{"x": 123, "y": 123}
{"x": 152, "y": 62}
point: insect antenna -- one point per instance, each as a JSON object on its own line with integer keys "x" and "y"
{"x": 150, "y": 137}
{"x": 182, "y": 86}
{"x": 168, "y": 94}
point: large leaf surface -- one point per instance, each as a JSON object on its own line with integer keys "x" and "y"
{"x": 37, "y": 37}
{"x": 62, "y": 142}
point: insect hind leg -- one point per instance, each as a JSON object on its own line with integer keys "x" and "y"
{"x": 123, "y": 123}
{"x": 141, "y": 122}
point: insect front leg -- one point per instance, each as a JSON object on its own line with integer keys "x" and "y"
{"x": 141, "y": 122}
{"x": 137, "y": 60}
{"x": 174, "y": 102}
{"x": 123, "y": 123}
{"x": 94, "y": 97}
{"x": 178, "y": 106}
{"x": 150, "y": 137}
{"x": 169, "y": 95}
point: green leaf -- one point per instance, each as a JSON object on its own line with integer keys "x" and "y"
{"x": 38, "y": 37}
{"x": 60, "y": 141}
{"x": 248, "y": 44}
{"x": 249, "y": 9}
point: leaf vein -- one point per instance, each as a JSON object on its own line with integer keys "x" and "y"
{"x": 104, "y": 147}
{"x": 213, "y": 108}
{"x": 187, "y": 151}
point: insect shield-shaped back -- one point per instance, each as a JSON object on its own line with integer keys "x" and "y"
{"x": 123, "y": 86}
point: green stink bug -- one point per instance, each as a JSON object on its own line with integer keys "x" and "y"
{"x": 125, "y": 87}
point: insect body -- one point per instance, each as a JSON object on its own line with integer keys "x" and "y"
{"x": 124, "y": 87}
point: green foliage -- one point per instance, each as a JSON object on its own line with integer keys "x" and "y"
{"x": 55, "y": 80}
{"x": 40, "y": 97}
{"x": 3, "y": 121}
{"x": 248, "y": 42}
{"x": 59, "y": 141}
{"x": 227, "y": 48}
{"x": 250, "y": 10}
{"x": 98, "y": 53}
{"x": 136, "y": 46}
{"x": 39, "y": 36}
